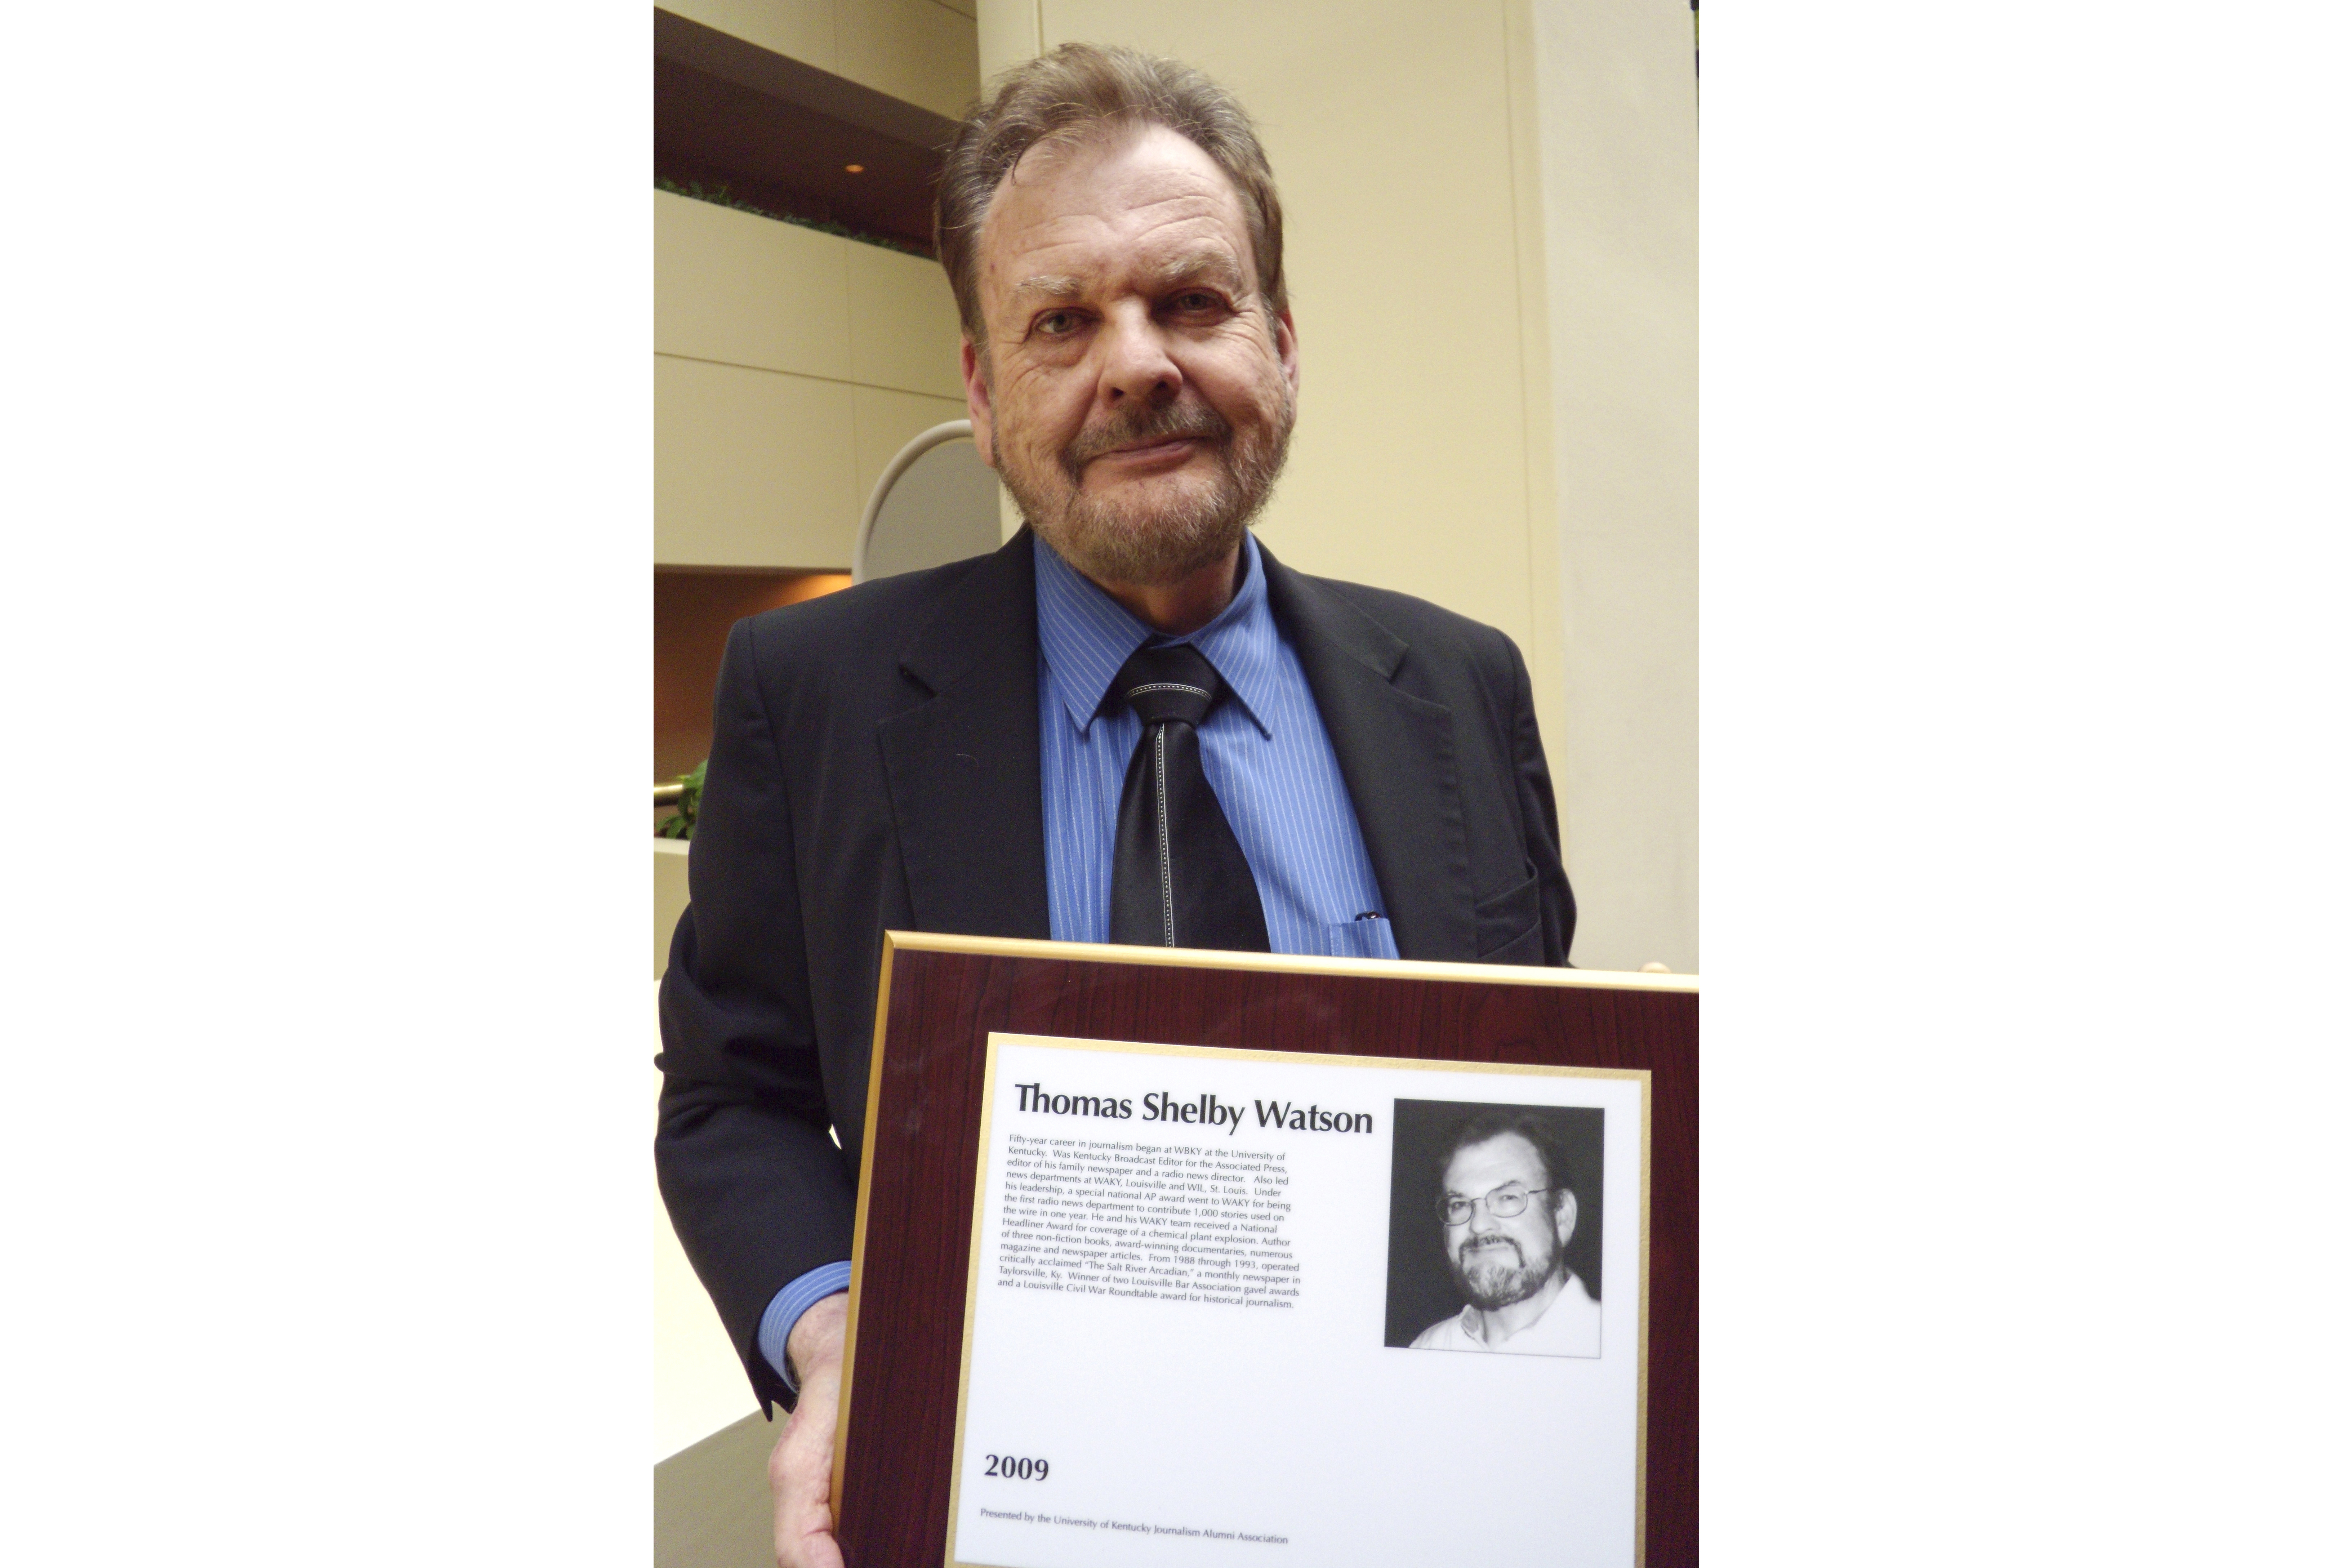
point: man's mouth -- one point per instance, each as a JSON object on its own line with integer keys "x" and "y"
{"x": 1149, "y": 451}
{"x": 1162, "y": 436}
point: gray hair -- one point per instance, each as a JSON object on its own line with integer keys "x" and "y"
{"x": 1082, "y": 90}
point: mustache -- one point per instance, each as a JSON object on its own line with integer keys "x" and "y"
{"x": 1172, "y": 421}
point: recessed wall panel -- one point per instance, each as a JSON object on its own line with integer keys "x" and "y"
{"x": 749, "y": 291}
{"x": 903, "y": 332}
{"x": 924, "y": 52}
{"x": 801, "y": 30}
{"x": 751, "y": 467}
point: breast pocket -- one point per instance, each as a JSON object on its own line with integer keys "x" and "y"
{"x": 1361, "y": 938}
{"x": 1510, "y": 924}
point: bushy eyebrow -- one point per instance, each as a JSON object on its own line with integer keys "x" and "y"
{"x": 1046, "y": 286}
{"x": 1205, "y": 266}
{"x": 1213, "y": 267}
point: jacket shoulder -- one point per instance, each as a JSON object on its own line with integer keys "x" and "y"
{"x": 1432, "y": 629}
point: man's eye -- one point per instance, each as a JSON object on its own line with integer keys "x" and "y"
{"x": 1057, "y": 324}
{"x": 1195, "y": 299}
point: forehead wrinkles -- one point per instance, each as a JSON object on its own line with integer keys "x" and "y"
{"x": 1116, "y": 195}
{"x": 1141, "y": 237}
{"x": 1071, "y": 260}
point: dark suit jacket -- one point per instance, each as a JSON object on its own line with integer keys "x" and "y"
{"x": 874, "y": 765}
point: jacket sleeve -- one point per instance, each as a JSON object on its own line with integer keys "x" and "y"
{"x": 1538, "y": 817}
{"x": 757, "y": 1190}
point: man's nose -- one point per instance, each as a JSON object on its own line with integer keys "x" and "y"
{"x": 1482, "y": 1219}
{"x": 1135, "y": 365}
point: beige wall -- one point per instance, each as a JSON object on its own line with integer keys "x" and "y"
{"x": 1490, "y": 211}
{"x": 1618, "y": 115}
{"x": 669, "y": 897}
{"x": 918, "y": 50}
{"x": 788, "y": 367}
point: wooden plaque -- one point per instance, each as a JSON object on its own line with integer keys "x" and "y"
{"x": 941, "y": 998}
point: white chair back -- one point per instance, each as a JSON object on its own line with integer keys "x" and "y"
{"x": 936, "y": 503}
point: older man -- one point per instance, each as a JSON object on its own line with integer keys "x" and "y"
{"x": 1506, "y": 1213}
{"x": 1129, "y": 724}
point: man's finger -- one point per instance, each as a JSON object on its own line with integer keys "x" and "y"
{"x": 800, "y": 1474}
{"x": 803, "y": 1522}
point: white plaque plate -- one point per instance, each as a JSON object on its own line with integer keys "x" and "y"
{"x": 1197, "y": 1276}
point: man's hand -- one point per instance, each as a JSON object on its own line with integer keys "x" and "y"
{"x": 800, "y": 1472}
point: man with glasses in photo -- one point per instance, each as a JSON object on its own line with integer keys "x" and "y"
{"x": 1507, "y": 1214}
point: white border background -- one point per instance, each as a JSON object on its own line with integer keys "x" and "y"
{"x": 2025, "y": 511}
{"x": 2023, "y": 661}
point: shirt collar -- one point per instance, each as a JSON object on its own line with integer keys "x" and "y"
{"x": 1085, "y": 635}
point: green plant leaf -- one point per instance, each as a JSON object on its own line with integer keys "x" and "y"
{"x": 681, "y": 826}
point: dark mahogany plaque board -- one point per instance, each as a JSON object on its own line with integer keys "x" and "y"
{"x": 942, "y": 995}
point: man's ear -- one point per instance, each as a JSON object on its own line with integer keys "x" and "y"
{"x": 976, "y": 400}
{"x": 1286, "y": 349}
{"x": 1563, "y": 1218}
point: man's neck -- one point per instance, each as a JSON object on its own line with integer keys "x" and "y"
{"x": 1186, "y": 605}
{"x": 1500, "y": 1325}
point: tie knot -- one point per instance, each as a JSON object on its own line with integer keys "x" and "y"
{"x": 1164, "y": 683}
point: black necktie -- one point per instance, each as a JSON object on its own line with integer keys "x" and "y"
{"x": 1178, "y": 877}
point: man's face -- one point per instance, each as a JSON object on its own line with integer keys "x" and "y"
{"x": 1500, "y": 1261}
{"x": 1136, "y": 397}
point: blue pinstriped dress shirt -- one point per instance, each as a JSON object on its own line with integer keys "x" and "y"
{"x": 1268, "y": 759}
{"x": 1265, "y": 749}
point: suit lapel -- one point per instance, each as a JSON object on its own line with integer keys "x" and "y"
{"x": 963, "y": 767}
{"x": 1396, "y": 752}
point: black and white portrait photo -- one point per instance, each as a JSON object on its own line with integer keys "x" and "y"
{"x": 1494, "y": 1228}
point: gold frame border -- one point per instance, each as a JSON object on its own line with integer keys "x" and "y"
{"x": 857, "y": 1232}
{"x": 1275, "y": 963}
{"x": 1278, "y": 964}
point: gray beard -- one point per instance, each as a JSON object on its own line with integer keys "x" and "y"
{"x": 1153, "y": 546}
{"x": 1495, "y": 1276}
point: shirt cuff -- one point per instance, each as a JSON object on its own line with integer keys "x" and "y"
{"x": 784, "y": 1310}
